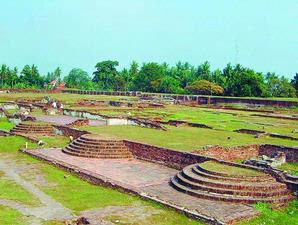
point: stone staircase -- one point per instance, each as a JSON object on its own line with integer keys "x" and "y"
{"x": 33, "y": 128}
{"x": 197, "y": 181}
{"x": 93, "y": 146}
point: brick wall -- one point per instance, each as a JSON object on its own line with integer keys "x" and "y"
{"x": 168, "y": 157}
{"x": 198, "y": 98}
{"x": 271, "y": 150}
{"x": 68, "y": 131}
{"x": 230, "y": 153}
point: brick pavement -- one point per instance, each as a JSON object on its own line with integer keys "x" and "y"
{"x": 148, "y": 180}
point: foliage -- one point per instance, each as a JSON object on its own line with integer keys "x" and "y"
{"x": 105, "y": 74}
{"x": 78, "y": 78}
{"x": 294, "y": 82}
{"x": 279, "y": 86}
{"x": 274, "y": 217}
{"x": 205, "y": 87}
{"x": 51, "y": 76}
{"x": 236, "y": 80}
{"x": 291, "y": 168}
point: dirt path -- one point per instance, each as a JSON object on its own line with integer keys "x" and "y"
{"x": 50, "y": 209}
{"x": 125, "y": 214}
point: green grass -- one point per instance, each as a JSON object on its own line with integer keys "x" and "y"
{"x": 218, "y": 119}
{"x": 291, "y": 168}
{"x": 11, "y": 144}
{"x": 55, "y": 141}
{"x": 79, "y": 195}
{"x": 230, "y": 170}
{"x": 66, "y": 98}
{"x": 288, "y": 216}
{"x": 10, "y": 190}
{"x": 184, "y": 138}
{"x": 5, "y": 124}
{"x": 10, "y": 216}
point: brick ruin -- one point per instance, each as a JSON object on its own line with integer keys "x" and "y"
{"x": 32, "y": 128}
{"x": 206, "y": 184}
{"x": 94, "y": 146}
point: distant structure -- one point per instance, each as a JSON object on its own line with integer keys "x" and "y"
{"x": 55, "y": 85}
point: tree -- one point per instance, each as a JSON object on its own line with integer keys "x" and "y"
{"x": 78, "y": 78}
{"x": 56, "y": 75}
{"x": 134, "y": 69}
{"x": 31, "y": 76}
{"x": 218, "y": 78}
{"x": 169, "y": 84}
{"x": 149, "y": 77}
{"x": 241, "y": 81}
{"x": 203, "y": 72}
{"x": 205, "y": 87}
{"x": 294, "y": 82}
{"x": 183, "y": 72}
{"x": 279, "y": 87}
{"x": 3, "y": 73}
{"x": 105, "y": 74}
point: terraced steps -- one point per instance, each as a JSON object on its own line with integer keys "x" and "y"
{"x": 33, "y": 128}
{"x": 93, "y": 146}
{"x": 203, "y": 183}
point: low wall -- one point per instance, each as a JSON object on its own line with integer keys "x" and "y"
{"x": 4, "y": 133}
{"x": 248, "y": 151}
{"x": 231, "y": 153}
{"x": 68, "y": 131}
{"x": 198, "y": 98}
{"x": 168, "y": 157}
{"x": 271, "y": 150}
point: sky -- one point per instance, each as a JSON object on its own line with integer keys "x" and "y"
{"x": 260, "y": 34}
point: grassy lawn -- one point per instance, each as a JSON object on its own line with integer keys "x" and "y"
{"x": 184, "y": 138}
{"x": 5, "y": 124}
{"x": 12, "y": 191}
{"x": 55, "y": 141}
{"x": 79, "y": 195}
{"x": 11, "y": 144}
{"x": 76, "y": 194}
{"x": 66, "y": 98}
{"x": 291, "y": 168}
{"x": 218, "y": 119}
{"x": 230, "y": 170}
{"x": 11, "y": 216}
{"x": 288, "y": 216}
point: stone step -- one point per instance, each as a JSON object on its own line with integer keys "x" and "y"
{"x": 99, "y": 146}
{"x": 236, "y": 185}
{"x": 195, "y": 186}
{"x": 74, "y": 148}
{"x": 30, "y": 132}
{"x": 78, "y": 142}
{"x": 102, "y": 156}
{"x": 78, "y": 150}
{"x": 37, "y": 130}
{"x": 32, "y": 125}
{"x": 96, "y": 142}
{"x": 228, "y": 198}
{"x": 87, "y": 138}
{"x": 222, "y": 174}
{"x": 226, "y": 178}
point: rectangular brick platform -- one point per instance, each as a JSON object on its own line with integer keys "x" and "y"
{"x": 148, "y": 180}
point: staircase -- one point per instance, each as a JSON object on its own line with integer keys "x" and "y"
{"x": 93, "y": 146}
{"x": 33, "y": 128}
{"x": 197, "y": 181}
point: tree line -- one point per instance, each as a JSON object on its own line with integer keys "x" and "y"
{"x": 182, "y": 78}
